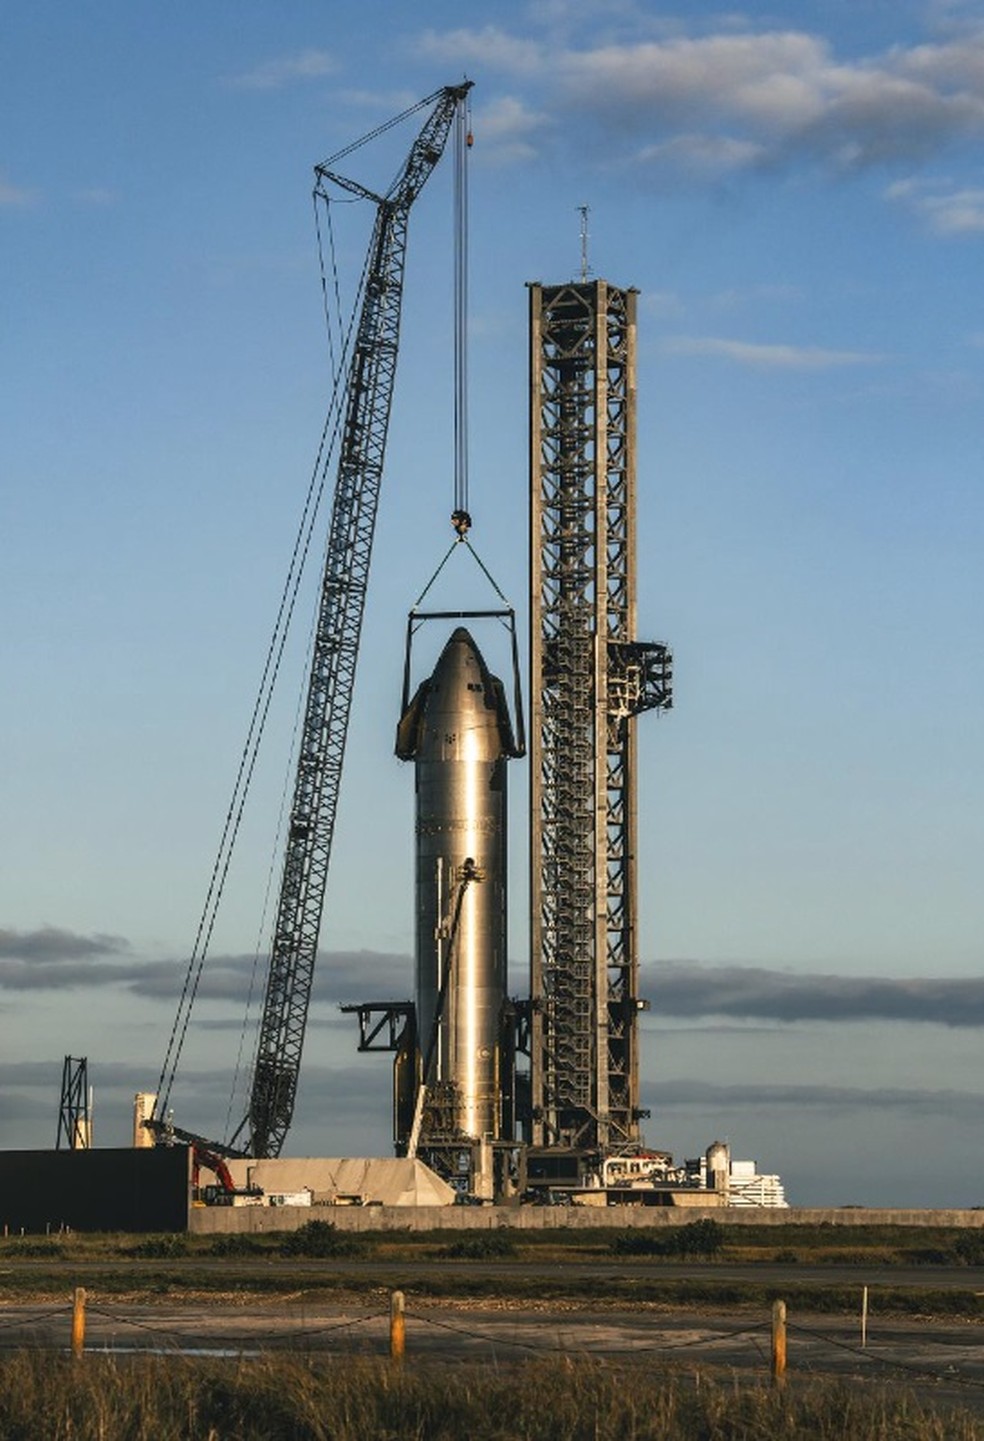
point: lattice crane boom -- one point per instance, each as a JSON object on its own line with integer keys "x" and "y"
{"x": 342, "y": 601}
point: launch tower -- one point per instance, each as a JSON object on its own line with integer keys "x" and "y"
{"x": 589, "y": 678}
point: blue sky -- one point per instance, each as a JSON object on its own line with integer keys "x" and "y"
{"x": 798, "y": 194}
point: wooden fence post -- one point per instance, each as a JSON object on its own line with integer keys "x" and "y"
{"x": 864, "y": 1318}
{"x": 78, "y": 1322}
{"x": 398, "y": 1326}
{"x": 779, "y": 1343}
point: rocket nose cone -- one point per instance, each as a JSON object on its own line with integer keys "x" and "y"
{"x": 459, "y": 709}
{"x": 460, "y": 669}
{"x": 459, "y": 650}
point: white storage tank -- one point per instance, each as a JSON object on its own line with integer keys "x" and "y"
{"x": 718, "y": 1166}
{"x": 143, "y": 1108}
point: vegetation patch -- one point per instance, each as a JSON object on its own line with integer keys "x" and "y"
{"x": 239, "y": 1244}
{"x": 699, "y": 1238}
{"x": 160, "y": 1248}
{"x": 319, "y": 1239}
{"x": 293, "y": 1399}
{"x": 487, "y": 1245}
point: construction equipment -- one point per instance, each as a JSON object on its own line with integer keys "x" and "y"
{"x": 225, "y": 1193}
{"x": 336, "y": 644}
{"x": 208, "y": 1154}
{"x": 368, "y": 393}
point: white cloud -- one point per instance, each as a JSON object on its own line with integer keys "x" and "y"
{"x": 661, "y": 303}
{"x": 719, "y": 74}
{"x": 490, "y": 47}
{"x": 731, "y": 100}
{"x": 736, "y": 299}
{"x": 504, "y": 130}
{"x": 706, "y": 154}
{"x": 274, "y": 74}
{"x": 946, "y": 208}
{"x": 957, "y": 65}
{"x": 389, "y": 102}
{"x": 13, "y": 196}
{"x": 96, "y": 195}
{"x": 772, "y": 357}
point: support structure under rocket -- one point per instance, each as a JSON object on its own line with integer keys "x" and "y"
{"x": 458, "y": 733}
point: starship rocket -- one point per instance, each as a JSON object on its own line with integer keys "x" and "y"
{"x": 458, "y": 733}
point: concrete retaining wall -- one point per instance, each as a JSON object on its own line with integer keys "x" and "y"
{"x": 210, "y": 1220}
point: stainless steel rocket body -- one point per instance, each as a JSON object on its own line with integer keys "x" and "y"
{"x": 457, "y": 732}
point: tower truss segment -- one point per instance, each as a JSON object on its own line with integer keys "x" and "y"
{"x": 590, "y": 678}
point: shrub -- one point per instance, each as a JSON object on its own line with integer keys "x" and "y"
{"x": 486, "y": 1246}
{"x": 234, "y": 1244}
{"x": 161, "y": 1248}
{"x": 927, "y": 1255}
{"x": 641, "y": 1243}
{"x": 969, "y": 1248}
{"x": 700, "y": 1238}
{"x": 697, "y": 1238}
{"x": 318, "y": 1239}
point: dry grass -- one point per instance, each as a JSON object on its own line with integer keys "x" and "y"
{"x": 289, "y": 1399}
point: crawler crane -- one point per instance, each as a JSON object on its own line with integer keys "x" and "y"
{"x": 366, "y": 407}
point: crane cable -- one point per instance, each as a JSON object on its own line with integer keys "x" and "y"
{"x": 247, "y": 762}
{"x": 381, "y": 129}
{"x": 335, "y": 364}
{"x": 460, "y": 518}
{"x": 333, "y": 321}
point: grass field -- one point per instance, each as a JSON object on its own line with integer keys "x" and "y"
{"x": 286, "y": 1399}
{"x": 347, "y": 1398}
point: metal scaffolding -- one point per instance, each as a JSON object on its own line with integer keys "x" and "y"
{"x": 589, "y": 678}
{"x": 75, "y": 1106}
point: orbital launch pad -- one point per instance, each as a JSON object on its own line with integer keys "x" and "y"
{"x": 505, "y": 1095}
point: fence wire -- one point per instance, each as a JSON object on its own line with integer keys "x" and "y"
{"x": 257, "y": 1340}
{"x": 877, "y": 1357}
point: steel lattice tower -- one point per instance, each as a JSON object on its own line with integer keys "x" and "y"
{"x": 589, "y": 678}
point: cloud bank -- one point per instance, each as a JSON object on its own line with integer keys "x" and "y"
{"x": 54, "y": 959}
{"x": 753, "y": 993}
{"x": 729, "y": 102}
{"x": 682, "y": 1094}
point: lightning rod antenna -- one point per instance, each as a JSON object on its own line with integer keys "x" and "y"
{"x": 585, "y": 268}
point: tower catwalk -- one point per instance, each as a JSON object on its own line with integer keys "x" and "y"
{"x": 589, "y": 678}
